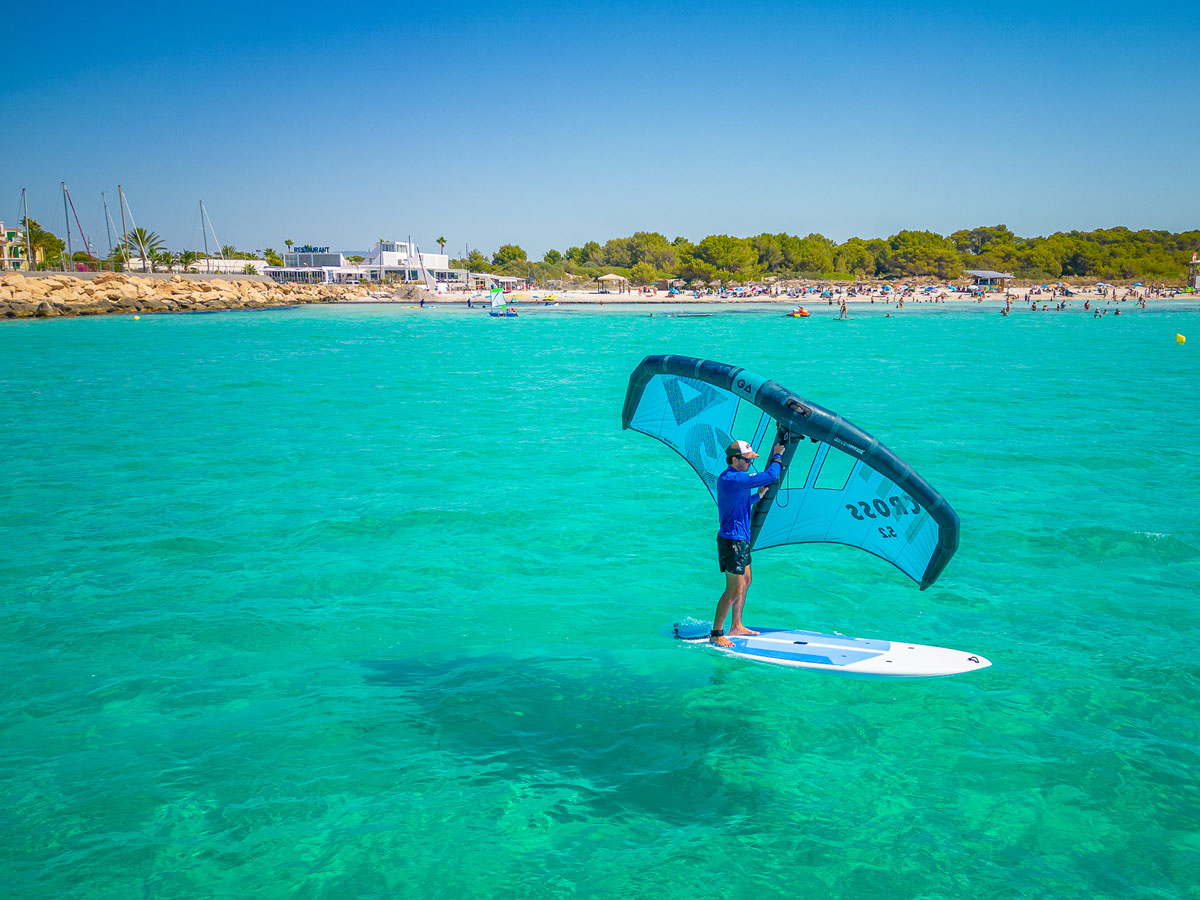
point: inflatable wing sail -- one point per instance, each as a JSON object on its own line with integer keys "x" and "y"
{"x": 840, "y": 486}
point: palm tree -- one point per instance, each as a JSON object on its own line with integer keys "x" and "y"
{"x": 188, "y": 258}
{"x": 288, "y": 241}
{"x": 119, "y": 256}
{"x": 167, "y": 259}
{"x": 441, "y": 242}
{"x": 228, "y": 251}
{"x": 148, "y": 242}
{"x": 43, "y": 242}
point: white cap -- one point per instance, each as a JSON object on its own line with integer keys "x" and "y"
{"x": 741, "y": 448}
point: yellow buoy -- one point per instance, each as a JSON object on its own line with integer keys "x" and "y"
{"x": 137, "y": 317}
{"x": 1180, "y": 339}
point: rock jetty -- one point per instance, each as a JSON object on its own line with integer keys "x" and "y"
{"x": 36, "y": 296}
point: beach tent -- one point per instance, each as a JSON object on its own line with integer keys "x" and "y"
{"x": 611, "y": 279}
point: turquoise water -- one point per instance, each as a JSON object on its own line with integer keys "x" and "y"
{"x": 366, "y": 602}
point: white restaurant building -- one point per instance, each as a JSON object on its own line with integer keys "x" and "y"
{"x": 386, "y": 261}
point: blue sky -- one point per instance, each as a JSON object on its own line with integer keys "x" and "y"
{"x": 550, "y": 125}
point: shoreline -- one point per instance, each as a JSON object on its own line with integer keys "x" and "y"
{"x": 53, "y": 295}
{"x": 534, "y": 299}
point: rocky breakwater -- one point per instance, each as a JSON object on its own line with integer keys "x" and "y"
{"x": 30, "y": 296}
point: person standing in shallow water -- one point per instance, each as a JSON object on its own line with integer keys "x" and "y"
{"x": 735, "y": 497}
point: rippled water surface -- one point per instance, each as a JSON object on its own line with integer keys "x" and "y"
{"x": 366, "y": 602}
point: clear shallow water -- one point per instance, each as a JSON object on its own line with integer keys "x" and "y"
{"x": 366, "y": 602}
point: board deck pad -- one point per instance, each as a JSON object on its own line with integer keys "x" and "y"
{"x": 841, "y": 655}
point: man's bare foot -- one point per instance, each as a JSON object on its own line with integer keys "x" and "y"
{"x": 721, "y": 641}
{"x": 742, "y": 630}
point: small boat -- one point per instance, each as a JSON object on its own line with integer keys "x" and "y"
{"x": 500, "y": 308}
{"x": 799, "y": 313}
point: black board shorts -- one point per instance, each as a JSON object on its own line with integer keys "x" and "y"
{"x": 733, "y": 556}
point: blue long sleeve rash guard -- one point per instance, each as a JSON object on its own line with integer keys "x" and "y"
{"x": 736, "y": 494}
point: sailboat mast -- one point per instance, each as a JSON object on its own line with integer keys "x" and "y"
{"x": 67, "y": 217}
{"x": 204, "y": 234}
{"x": 124, "y": 233}
{"x": 82, "y": 234}
{"x": 139, "y": 234}
{"x": 216, "y": 240}
{"x": 107, "y": 229}
{"x": 29, "y": 261}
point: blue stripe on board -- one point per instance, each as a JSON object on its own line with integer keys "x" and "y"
{"x": 695, "y": 632}
{"x": 743, "y": 646}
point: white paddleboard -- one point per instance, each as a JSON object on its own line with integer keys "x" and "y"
{"x": 850, "y": 656}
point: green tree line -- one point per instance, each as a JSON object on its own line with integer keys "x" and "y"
{"x": 647, "y": 256}
{"x": 644, "y": 257}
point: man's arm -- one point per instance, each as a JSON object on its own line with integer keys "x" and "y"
{"x": 769, "y": 475}
{"x": 755, "y": 479}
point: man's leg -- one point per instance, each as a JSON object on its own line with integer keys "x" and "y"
{"x": 732, "y": 589}
{"x": 736, "y": 626}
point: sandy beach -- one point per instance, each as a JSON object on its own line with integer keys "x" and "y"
{"x": 49, "y": 294}
{"x": 812, "y": 298}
